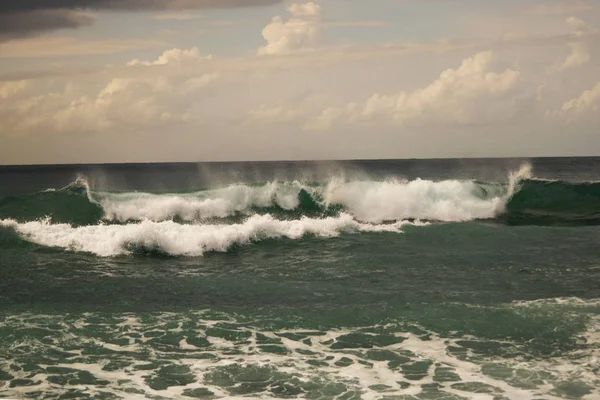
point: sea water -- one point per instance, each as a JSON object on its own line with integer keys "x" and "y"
{"x": 414, "y": 279}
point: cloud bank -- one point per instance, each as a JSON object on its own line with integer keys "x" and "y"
{"x": 469, "y": 94}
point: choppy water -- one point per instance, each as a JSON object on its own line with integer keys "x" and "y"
{"x": 439, "y": 279}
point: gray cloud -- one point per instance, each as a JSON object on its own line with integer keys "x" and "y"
{"x": 19, "y": 24}
{"x": 19, "y": 18}
{"x": 8, "y": 6}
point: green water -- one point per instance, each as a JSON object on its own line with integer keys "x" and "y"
{"x": 114, "y": 297}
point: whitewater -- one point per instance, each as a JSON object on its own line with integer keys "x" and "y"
{"x": 367, "y": 201}
{"x": 184, "y": 240}
{"x": 358, "y": 280}
{"x": 176, "y": 224}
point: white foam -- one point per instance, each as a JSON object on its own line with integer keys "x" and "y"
{"x": 184, "y": 240}
{"x": 421, "y": 199}
{"x": 557, "y": 301}
{"x": 577, "y": 366}
{"x": 212, "y": 203}
{"x": 368, "y": 201}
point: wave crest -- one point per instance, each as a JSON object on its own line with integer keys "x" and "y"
{"x": 521, "y": 200}
{"x": 368, "y": 201}
{"x": 218, "y": 203}
{"x": 184, "y": 240}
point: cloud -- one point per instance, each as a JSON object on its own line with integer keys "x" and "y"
{"x": 301, "y": 31}
{"x": 578, "y": 40}
{"x": 305, "y": 10}
{"x": 41, "y": 47}
{"x": 33, "y": 5}
{"x": 587, "y": 103}
{"x": 560, "y": 7}
{"x": 9, "y": 89}
{"x": 356, "y": 24}
{"x": 28, "y": 17}
{"x": 579, "y": 56}
{"x": 176, "y": 17}
{"x": 126, "y": 104}
{"x": 472, "y": 93}
{"x": 19, "y": 24}
{"x": 173, "y": 56}
{"x": 580, "y": 27}
{"x": 276, "y": 114}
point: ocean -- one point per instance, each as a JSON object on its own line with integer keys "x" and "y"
{"x": 393, "y": 279}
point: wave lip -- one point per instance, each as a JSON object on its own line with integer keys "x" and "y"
{"x": 184, "y": 240}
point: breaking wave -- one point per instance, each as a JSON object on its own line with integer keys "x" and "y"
{"x": 189, "y": 224}
{"x": 367, "y": 201}
{"x": 176, "y": 239}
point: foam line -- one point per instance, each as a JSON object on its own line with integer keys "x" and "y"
{"x": 184, "y": 240}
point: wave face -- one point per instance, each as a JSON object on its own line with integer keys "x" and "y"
{"x": 368, "y": 201}
{"x": 71, "y": 204}
{"x": 552, "y": 203}
{"x": 520, "y": 201}
{"x": 192, "y": 223}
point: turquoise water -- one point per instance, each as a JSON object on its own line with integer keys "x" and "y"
{"x": 463, "y": 279}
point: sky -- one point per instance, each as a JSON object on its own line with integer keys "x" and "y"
{"x": 103, "y": 81}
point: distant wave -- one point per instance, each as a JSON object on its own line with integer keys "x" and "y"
{"x": 183, "y": 239}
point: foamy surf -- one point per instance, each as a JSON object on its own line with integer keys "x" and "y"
{"x": 368, "y": 201}
{"x": 189, "y": 355}
{"x": 224, "y": 202}
{"x": 184, "y": 240}
{"x": 307, "y": 302}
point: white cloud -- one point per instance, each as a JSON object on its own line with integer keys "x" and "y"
{"x": 587, "y": 103}
{"x": 580, "y": 27}
{"x": 579, "y": 56}
{"x": 122, "y": 103}
{"x": 276, "y": 114}
{"x": 199, "y": 82}
{"x": 560, "y": 7}
{"x": 578, "y": 45}
{"x": 299, "y": 32}
{"x": 173, "y": 56}
{"x": 305, "y": 10}
{"x": 40, "y": 47}
{"x": 470, "y": 94}
{"x": 11, "y": 88}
